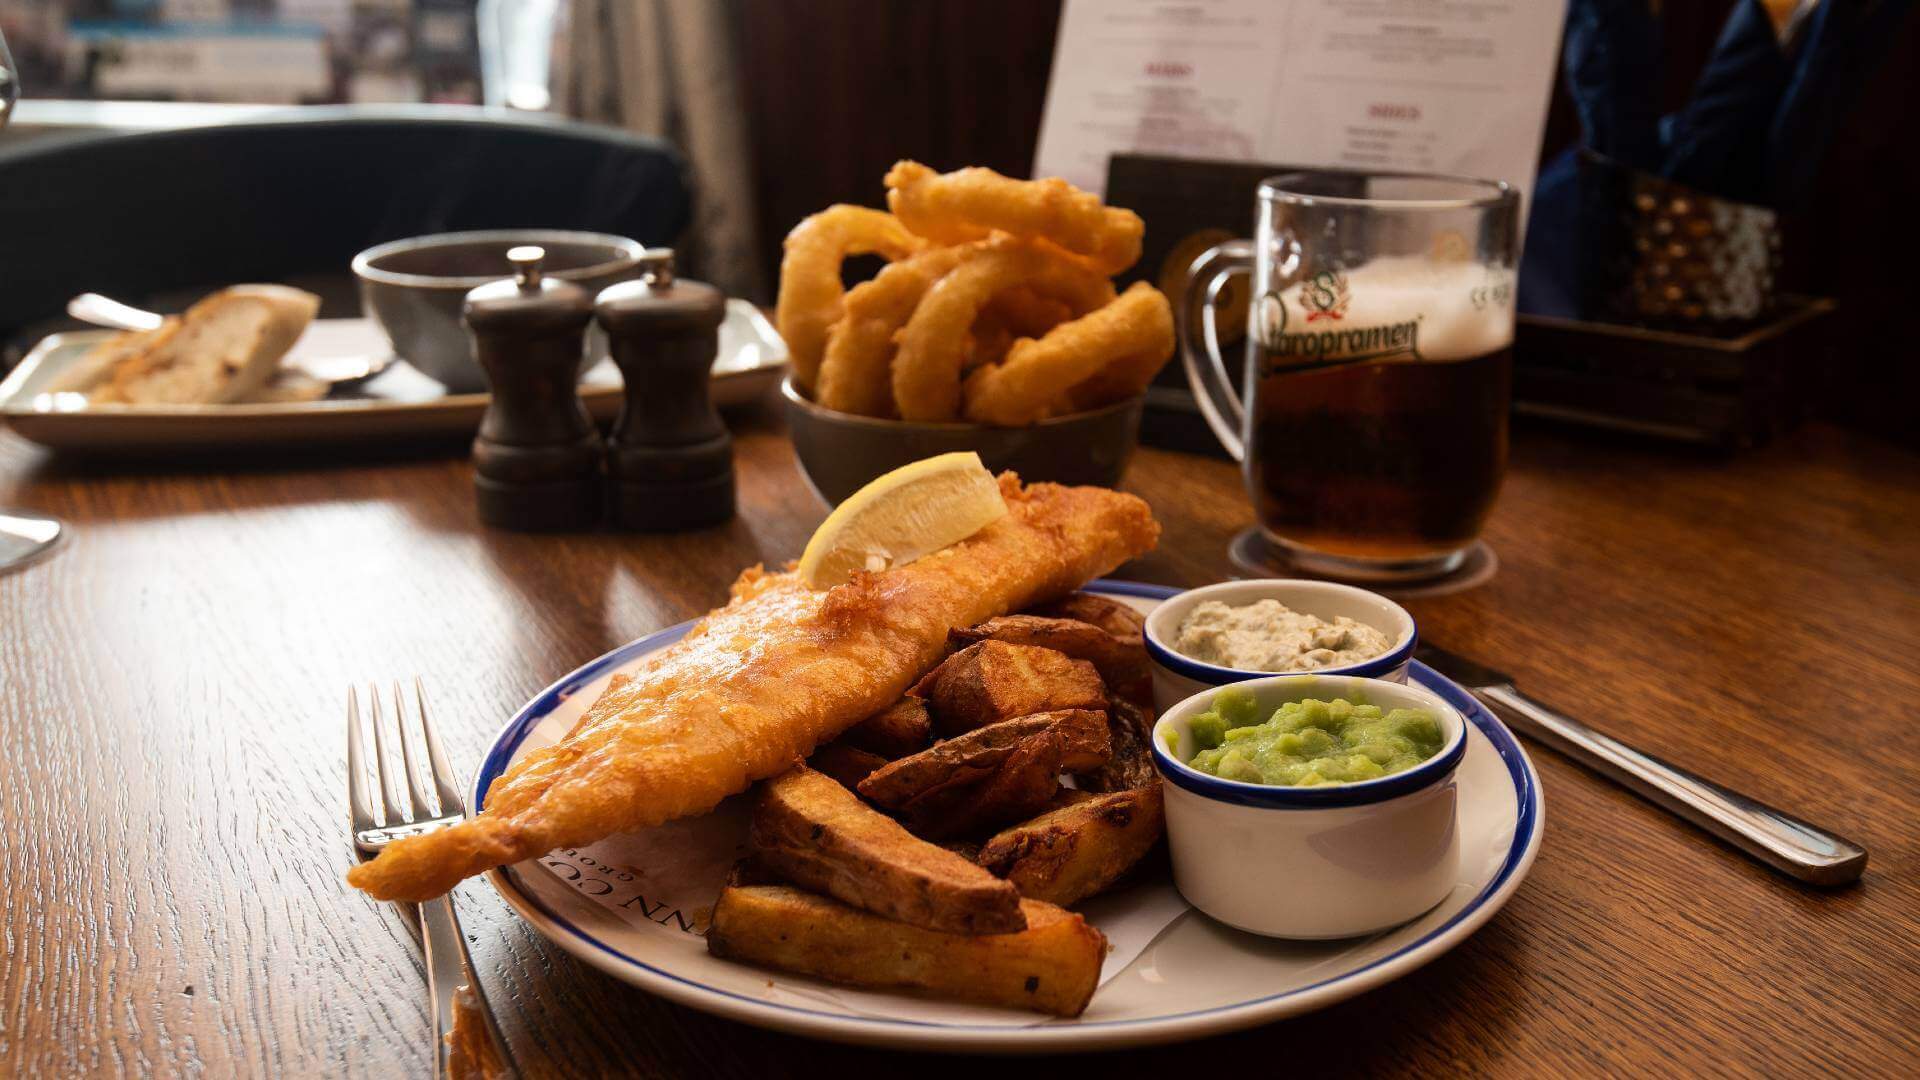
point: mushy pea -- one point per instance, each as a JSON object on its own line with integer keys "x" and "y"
{"x": 1307, "y": 743}
{"x": 1267, "y": 635}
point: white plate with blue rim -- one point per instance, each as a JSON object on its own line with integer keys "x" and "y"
{"x": 1196, "y": 978}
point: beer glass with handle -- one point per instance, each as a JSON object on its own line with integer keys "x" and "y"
{"x": 23, "y": 536}
{"x": 1370, "y": 412}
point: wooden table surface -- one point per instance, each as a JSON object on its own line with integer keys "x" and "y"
{"x": 171, "y": 689}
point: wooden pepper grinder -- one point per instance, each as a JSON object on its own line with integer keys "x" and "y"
{"x": 670, "y": 464}
{"x": 536, "y": 460}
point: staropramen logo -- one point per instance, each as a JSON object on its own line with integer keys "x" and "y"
{"x": 1324, "y": 297}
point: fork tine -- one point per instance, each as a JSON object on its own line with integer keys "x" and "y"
{"x": 357, "y": 806}
{"x": 422, "y": 806}
{"x": 443, "y": 779}
{"x": 389, "y": 795}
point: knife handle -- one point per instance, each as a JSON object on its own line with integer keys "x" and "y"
{"x": 1778, "y": 839}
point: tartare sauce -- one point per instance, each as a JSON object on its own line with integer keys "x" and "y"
{"x": 1266, "y": 635}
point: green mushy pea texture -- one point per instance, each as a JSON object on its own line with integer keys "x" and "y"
{"x": 1305, "y": 743}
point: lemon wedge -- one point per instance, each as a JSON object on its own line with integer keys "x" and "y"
{"x": 912, "y": 511}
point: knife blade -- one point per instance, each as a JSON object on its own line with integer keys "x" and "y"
{"x": 1774, "y": 837}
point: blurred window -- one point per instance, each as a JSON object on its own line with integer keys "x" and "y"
{"x": 286, "y": 52}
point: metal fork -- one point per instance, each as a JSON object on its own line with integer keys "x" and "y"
{"x": 451, "y": 983}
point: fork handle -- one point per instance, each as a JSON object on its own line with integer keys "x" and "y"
{"x": 450, "y": 967}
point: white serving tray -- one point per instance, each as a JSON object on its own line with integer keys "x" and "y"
{"x": 401, "y": 404}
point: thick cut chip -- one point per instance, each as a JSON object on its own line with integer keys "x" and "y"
{"x": 1052, "y": 966}
{"x": 992, "y": 681}
{"x": 1022, "y": 786}
{"x": 1017, "y": 788}
{"x": 992, "y": 775}
{"x": 1086, "y": 743}
{"x": 1122, "y": 662}
{"x": 819, "y": 835}
{"x": 1108, "y": 614}
{"x": 1130, "y": 727}
{"x": 848, "y": 765}
{"x": 1079, "y": 850}
{"x": 903, "y": 728}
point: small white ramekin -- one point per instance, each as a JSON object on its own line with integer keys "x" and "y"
{"x": 1177, "y": 676}
{"x": 1332, "y": 861}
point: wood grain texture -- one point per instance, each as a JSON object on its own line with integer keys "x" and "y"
{"x": 171, "y": 841}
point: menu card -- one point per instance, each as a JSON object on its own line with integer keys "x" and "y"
{"x": 1448, "y": 86}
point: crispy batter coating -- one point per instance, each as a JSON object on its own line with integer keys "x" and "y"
{"x": 966, "y": 204}
{"x": 934, "y": 342}
{"x": 810, "y": 288}
{"x": 1124, "y": 344}
{"x": 856, "y": 371}
{"x": 1024, "y": 312}
{"x": 1017, "y": 313}
{"x": 762, "y": 681}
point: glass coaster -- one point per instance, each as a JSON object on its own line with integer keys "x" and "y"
{"x": 1254, "y": 557}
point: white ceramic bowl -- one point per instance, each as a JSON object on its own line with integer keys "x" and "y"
{"x": 1177, "y": 677}
{"x": 1332, "y": 861}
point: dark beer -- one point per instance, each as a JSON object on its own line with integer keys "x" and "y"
{"x": 1385, "y": 459}
{"x": 1371, "y": 414}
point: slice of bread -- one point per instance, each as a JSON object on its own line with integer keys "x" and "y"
{"x": 93, "y": 373}
{"x": 225, "y": 349}
{"x": 289, "y": 387}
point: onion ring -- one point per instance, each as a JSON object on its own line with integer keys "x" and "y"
{"x": 1135, "y": 331}
{"x": 810, "y": 289}
{"x": 987, "y": 343}
{"x": 1008, "y": 317}
{"x": 967, "y": 204}
{"x": 854, "y": 373}
{"x": 933, "y": 345}
{"x": 1122, "y": 379}
{"x": 1026, "y": 312}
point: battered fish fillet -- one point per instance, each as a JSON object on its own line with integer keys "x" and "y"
{"x": 762, "y": 681}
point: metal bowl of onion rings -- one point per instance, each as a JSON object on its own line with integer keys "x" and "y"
{"x": 840, "y": 452}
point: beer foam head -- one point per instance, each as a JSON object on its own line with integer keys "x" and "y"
{"x": 1402, "y": 307}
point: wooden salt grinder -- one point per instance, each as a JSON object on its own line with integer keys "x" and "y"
{"x": 670, "y": 463}
{"x": 536, "y": 460}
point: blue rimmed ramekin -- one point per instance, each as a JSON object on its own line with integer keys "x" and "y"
{"x": 1333, "y": 861}
{"x": 1177, "y": 676}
